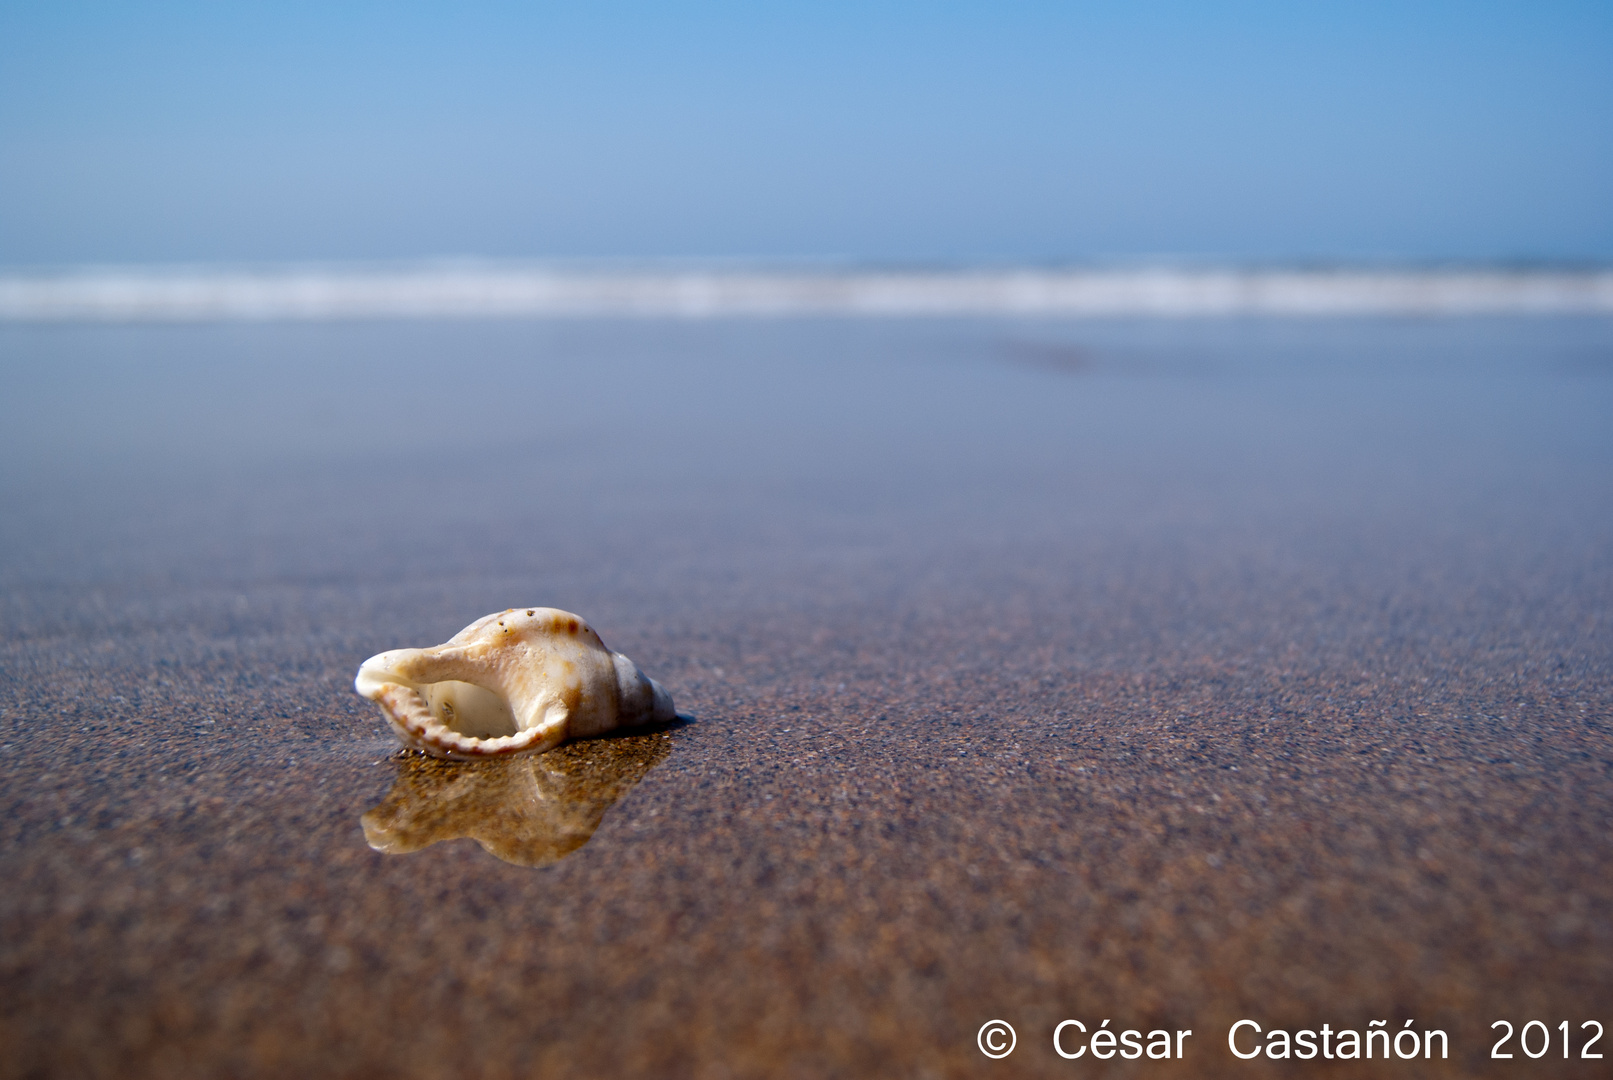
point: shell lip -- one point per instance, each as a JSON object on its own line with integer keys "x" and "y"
{"x": 406, "y": 710}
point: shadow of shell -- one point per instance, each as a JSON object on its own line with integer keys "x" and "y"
{"x": 530, "y": 811}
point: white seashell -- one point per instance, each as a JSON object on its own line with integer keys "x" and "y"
{"x": 519, "y": 681}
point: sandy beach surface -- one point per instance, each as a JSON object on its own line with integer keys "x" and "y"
{"x": 1169, "y": 673}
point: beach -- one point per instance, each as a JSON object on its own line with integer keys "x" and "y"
{"x": 1167, "y": 672}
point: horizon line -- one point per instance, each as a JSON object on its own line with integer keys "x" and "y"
{"x": 480, "y": 288}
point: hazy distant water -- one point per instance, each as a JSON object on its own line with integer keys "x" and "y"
{"x": 743, "y": 450}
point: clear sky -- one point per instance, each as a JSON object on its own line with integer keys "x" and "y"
{"x": 138, "y": 132}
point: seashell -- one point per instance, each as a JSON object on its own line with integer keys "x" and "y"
{"x": 530, "y": 811}
{"x": 518, "y": 681}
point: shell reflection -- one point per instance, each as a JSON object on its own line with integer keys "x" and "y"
{"x": 530, "y": 811}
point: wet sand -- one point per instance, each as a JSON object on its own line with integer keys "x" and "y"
{"x": 1164, "y": 672}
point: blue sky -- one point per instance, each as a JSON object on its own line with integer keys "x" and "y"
{"x": 135, "y": 132}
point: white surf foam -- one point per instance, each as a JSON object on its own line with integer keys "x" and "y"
{"x": 180, "y": 295}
